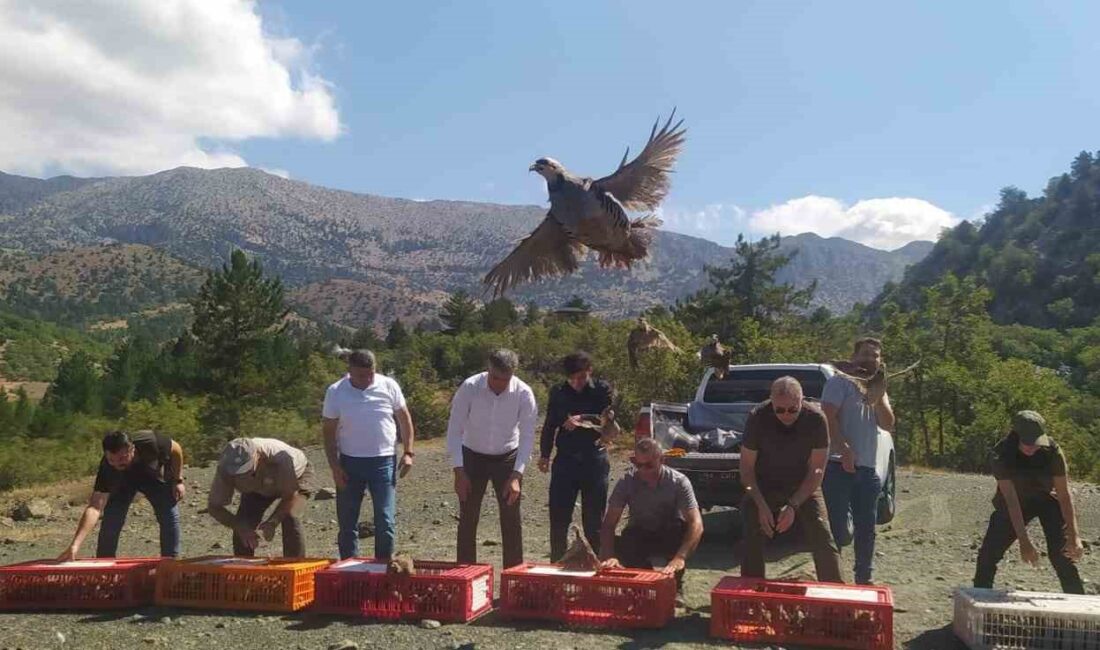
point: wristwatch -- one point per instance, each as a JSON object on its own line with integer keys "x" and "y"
{"x": 409, "y": 453}
{"x": 176, "y": 481}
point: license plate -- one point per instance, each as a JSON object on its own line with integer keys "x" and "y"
{"x": 716, "y": 476}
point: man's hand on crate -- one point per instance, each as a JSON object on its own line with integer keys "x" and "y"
{"x": 68, "y": 555}
{"x": 249, "y": 537}
{"x": 611, "y": 563}
{"x": 675, "y": 564}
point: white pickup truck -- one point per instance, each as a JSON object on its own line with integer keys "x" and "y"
{"x": 710, "y": 429}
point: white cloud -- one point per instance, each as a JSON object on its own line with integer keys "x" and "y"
{"x": 136, "y": 86}
{"x": 880, "y": 223}
{"x": 718, "y": 222}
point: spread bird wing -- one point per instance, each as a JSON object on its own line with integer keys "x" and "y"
{"x": 546, "y": 252}
{"x": 643, "y": 183}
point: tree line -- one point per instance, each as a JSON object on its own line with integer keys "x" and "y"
{"x": 236, "y": 369}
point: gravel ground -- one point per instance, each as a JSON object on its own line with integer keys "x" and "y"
{"x": 924, "y": 554}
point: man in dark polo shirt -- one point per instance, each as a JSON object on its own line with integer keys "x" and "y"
{"x": 142, "y": 461}
{"x": 783, "y": 456}
{"x": 664, "y": 518}
{"x": 263, "y": 470}
{"x": 1031, "y": 482}
{"x": 576, "y": 406}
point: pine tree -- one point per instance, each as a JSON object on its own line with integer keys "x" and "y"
{"x": 459, "y": 313}
{"x": 397, "y": 335}
{"x": 237, "y": 309}
{"x": 499, "y": 315}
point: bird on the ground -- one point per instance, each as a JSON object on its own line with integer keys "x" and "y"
{"x": 586, "y": 213}
{"x": 646, "y": 337}
{"x": 717, "y": 356}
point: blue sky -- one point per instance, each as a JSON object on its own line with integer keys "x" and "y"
{"x": 877, "y": 121}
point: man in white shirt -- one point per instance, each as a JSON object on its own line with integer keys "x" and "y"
{"x": 490, "y": 437}
{"x": 360, "y": 420}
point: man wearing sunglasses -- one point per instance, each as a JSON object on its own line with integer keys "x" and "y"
{"x": 783, "y": 456}
{"x": 664, "y": 518}
{"x": 1030, "y": 469}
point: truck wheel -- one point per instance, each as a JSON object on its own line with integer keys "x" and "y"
{"x": 886, "y": 501}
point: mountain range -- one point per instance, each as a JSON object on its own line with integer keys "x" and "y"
{"x": 359, "y": 259}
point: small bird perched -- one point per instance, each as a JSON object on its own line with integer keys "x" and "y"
{"x": 871, "y": 385}
{"x": 646, "y": 337}
{"x": 717, "y": 356}
{"x": 592, "y": 213}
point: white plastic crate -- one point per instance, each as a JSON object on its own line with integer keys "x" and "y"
{"x": 994, "y": 619}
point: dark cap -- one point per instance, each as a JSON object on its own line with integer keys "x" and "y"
{"x": 238, "y": 457}
{"x": 1030, "y": 427}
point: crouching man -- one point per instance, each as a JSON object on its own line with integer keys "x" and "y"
{"x": 783, "y": 458}
{"x": 1031, "y": 483}
{"x": 263, "y": 470}
{"x": 143, "y": 461}
{"x": 664, "y": 519}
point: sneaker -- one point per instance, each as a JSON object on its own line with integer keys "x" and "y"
{"x": 680, "y": 602}
{"x": 865, "y": 583}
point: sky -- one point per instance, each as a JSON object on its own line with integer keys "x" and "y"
{"x": 880, "y": 122}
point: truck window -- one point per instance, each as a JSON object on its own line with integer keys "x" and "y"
{"x": 754, "y": 385}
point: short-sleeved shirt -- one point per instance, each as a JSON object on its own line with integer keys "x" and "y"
{"x": 152, "y": 453}
{"x": 857, "y": 420}
{"x": 592, "y": 399}
{"x": 367, "y": 428}
{"x": 653, "y": 508}
{"x": 783, "y": 452}
{"x": 282, "y": 471}
{"x": 1032, "y": 476}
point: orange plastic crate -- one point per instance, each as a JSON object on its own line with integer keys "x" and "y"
{"x": 443, "y": 591}
{"x": 803, "y": 613}
{"x": 616, "y": 598}
{"x": 106, "y": 583}
{"x": 220, "y": 582}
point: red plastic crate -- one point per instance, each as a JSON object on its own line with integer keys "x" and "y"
{"x": 616, "y": 598}
{"x": 803, "y": 613}
{"x": 106, "y": 583}
{"x": 443, "y": 591}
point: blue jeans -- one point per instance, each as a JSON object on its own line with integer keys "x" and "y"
{"x": 164, "y": 505}
{"x": 853, "y": 496}
{"x": 379, "y": 475}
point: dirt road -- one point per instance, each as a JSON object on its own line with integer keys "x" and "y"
{"x": 924, "y": 554}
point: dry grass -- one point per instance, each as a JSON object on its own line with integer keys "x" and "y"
{"x": 36, "y": 390}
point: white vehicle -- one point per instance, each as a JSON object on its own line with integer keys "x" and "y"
{"x": 712, "y": 425}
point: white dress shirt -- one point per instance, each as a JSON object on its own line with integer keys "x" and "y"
{"x": 492, "y": 424}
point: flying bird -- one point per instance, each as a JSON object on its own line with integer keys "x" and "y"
{"x": 717, "y": 356}
{"x": 586, "y": 213}
{"x": 871, "y": 385}
{"x": 646, "y": 337}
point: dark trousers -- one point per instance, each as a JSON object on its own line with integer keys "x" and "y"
{"x": 482, "y": 469}
{"x": 164, "y": 504}
{"x": 251, "y": 513}
{"x": 812, "y": 518}
{"x": 585, "y": 473}
{"x": 1000, "y": 535}
{"x": 635, "y": 546}
{"x": 855, "y": 496}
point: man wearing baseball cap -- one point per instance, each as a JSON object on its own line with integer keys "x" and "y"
{"x": 263, "y": 470}
{"x": 1031, "y": 482}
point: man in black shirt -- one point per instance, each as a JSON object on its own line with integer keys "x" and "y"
{"x": 580, "y": 422}
{"x": 145, "y": 462}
